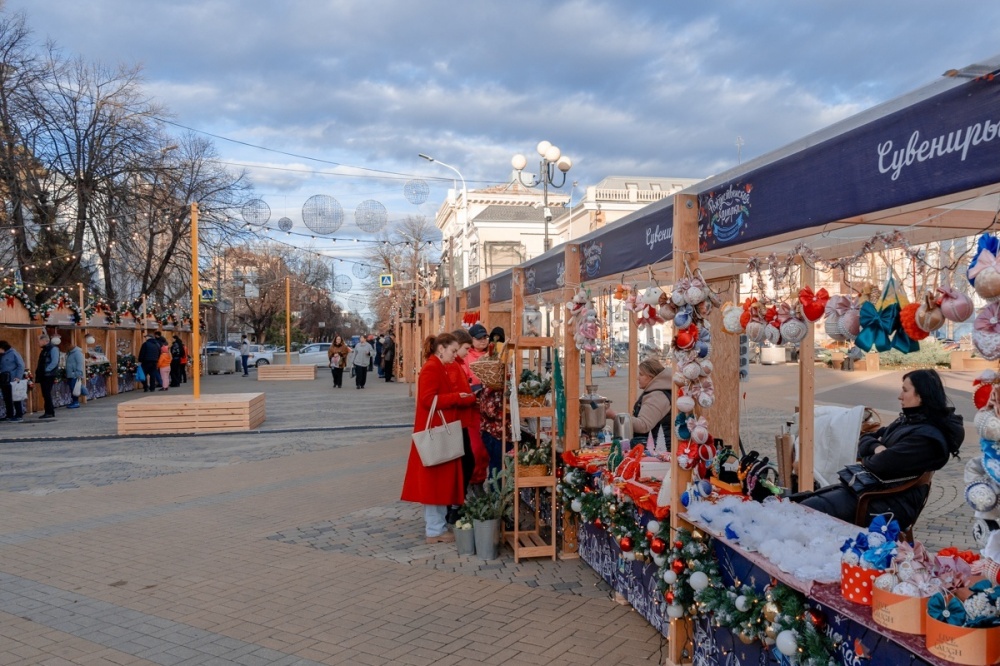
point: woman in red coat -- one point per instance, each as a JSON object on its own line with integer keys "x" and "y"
{"x": 475, "y": 460}
{"x": 438, "y": 486}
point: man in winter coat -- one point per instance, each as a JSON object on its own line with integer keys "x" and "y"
{"x": 11, "y": 369}
{"x": 245, "y": 355}
{"x": 176, "y": 356}
{"x": 75, "y": 367}
{"x": 45, "y": 372}
{"x": 363, "y": 355}
{"x": 149, "y": 354}
{"x": 389, "y": 356}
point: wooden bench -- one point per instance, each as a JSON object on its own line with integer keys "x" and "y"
{"x": 267, "y": 373}
{"x": 179, "y": 414}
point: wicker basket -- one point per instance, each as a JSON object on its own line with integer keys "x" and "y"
{"x": 490, "y": 372}
{"x": 532, "y": 470}
{"x": 530, "y": 401}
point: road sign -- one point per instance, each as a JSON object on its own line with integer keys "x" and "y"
{"x": 208, "y": 295}
{"x": 387, "y": 292}
{"x": 385, "y": 280}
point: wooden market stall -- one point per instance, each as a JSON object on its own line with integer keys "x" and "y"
{"x": 917, "y": 169}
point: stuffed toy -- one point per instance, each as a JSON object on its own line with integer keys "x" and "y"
{"x": 984, "y": 271}
{"x": 986, "y": 332}
{"x": 813, "y": 304}
{"x": 955, "y": 306}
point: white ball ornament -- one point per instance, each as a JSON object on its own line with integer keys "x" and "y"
{"x": 787, "y": 643}
{"x": 653, "y": 526}
{"x": 669, "y": 577}
{"x": 607, "y": 490}
{"x": 629, "y": 556}
{"x": 576, "y": 505}
{"x": 698, "y": 580}
{"x": 675, "y": 611}
{"x": 742, "y": 604}
{"x": 660, "y": 560}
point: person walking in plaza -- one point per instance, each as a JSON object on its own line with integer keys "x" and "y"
{"x": 379, "y": 346}
{"x": 337, "y": 353}
{"x": 439, "y": 486}
{"x": 75, "y": 367}
{"x": 149, "y": 354}
{"x": 11, "y": 370}
{"x": 363, "y": 354}
{"x": 176, "y": 354}
{"x": 245, "y": 355}
{"x": 45, "y": 373}
{"x": 389, "y": 356}
{"x": 163, "y": 366}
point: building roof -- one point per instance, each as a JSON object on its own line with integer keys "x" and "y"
{"x": 496, "y": 213}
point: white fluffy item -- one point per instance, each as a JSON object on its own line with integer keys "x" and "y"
{"x": 798, "y": 541}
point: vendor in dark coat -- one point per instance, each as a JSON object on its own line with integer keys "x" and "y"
{"x": 920, "y": 440}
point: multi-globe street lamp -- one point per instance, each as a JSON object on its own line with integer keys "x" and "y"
{"x": 552, "y": 163}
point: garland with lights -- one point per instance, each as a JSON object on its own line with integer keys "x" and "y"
{"x": 61, "y": 299}
{"x": 127, "y": 364}
{"x": 99, "y": 370}
{"x": 689, "y": 568}
{"x": 11, "y": 292}
{"x": 103, "y": 307}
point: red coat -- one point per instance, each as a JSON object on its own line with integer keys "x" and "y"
{"x": 440, "y": 484}
{"x": 458, "y": 374}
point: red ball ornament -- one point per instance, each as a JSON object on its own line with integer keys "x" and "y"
{"x": 597, "y": 522}
{"x": 626, "y": 544}
{"x": 649, "y": 536}
{"x": 669, "y": 596}
{"x": 678, "y": 545}
{"x": 658, "y": 546}
{"x": 678, "y": 566}
{"x": 559, "y": 472}
{"x": 816, "y": 618}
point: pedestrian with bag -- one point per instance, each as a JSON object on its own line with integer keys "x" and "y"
{"x": 75, "y": 369}
{"x": 11, "y": 374}
{"x": 337, "y": 353}
{"x": 363, "y": 354}
{"x": 45, "y": 372}
{"x": 149, "y": 354}
{"x": 438, "y": 486}
{"x": 389, "y": 356}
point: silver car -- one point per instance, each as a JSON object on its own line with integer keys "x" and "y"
{"x": 315, "y": 354}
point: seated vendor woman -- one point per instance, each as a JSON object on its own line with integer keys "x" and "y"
{"x": 651, "y": 412}
{"x": 919, "y": 441}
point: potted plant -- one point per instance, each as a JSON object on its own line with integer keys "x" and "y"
{"x": 532, "y": 388}
{"x": 465, "y": 538}
{"x": 486, "y": 509}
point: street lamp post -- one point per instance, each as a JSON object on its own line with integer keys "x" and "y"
{"x": 465, "y": 223}
{"x": 552, "y": 160}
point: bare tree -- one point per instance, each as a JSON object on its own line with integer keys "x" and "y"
{"x": 406, "y": 251}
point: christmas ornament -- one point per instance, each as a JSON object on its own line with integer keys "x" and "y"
{"x": 625, "y": 544}
{"x": 787, "y": 643}
{"x": 816, "y": 618}
{"x": 742, "y": 604}
{"x": 698, "y": 581}
{"x": 771, "y": 611}
{"x": 669, "y": 577}
{"x": 745, "y": 638}
{"x": 658, "y": 546}
{"x": 678, "y": 566}
{"x": 669, "y": 596}
{"x": 576, "y": 505}
{"x": 660, "y": 560}
{"x": 675, "y": 611}
{"x": 770, "y": 633}
{"x": 653, "y": 526}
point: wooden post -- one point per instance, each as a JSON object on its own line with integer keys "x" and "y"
{"x": 571, "y": 357}
{"x": 195, "y": 305}
{"x": 725, "y": 421}
{"x": 807, "y": 393}
{"x": 288, "y": 320}
{"x": 685, "y": 251}
{"x": 516, "y": 305}
{"x": 484, "y": 305}
{"x": 83, "y": 340}
{"x": 633, "y": 363}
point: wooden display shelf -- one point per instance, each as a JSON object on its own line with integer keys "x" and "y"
{"x": 534, "y": 342}
{"x": 529, "y": 544}
{"x": 535, "y": 412}
{"x": 534, "y": 481}
{"x": 286, "y": 372}
{"x": 183, "y": 414}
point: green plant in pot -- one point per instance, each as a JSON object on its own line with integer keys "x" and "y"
{"x": 486, "y": 509}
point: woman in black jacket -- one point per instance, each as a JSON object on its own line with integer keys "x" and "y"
{"x": 927, "y": 431}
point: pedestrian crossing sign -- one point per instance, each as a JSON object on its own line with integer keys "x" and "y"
{"x": 385, "y": 280}
{"x": 207, "y": 295}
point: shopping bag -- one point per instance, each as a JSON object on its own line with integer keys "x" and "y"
{"x": 439, "y": 444}
{"x": 140, "y": 376}
{"x": 19, "y": 390}
{"x": 77, "y": 385}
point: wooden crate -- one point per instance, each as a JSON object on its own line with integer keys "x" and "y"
{"x": 174, "y": 414}
{"x": 266, "y": 373}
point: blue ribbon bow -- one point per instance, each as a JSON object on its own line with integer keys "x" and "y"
{"x": 888, "y": 528}
{"x": 881, "y": 557}
{"x": 681, "y": 427}
{"x": 992, "y": 591}
{"x": 951, "y": 611}
{"x": 876, "y": 327}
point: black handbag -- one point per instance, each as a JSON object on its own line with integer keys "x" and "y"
{"x": 860, "y": 480}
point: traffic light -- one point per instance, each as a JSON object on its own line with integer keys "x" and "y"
{"x": 744, "y": 358}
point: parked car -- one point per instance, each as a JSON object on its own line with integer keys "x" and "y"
{"x": 219, "y": 349}
{"x": 315, "y": 354}
{"x": 260, "y": 356}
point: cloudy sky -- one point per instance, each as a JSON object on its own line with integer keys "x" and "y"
{"x": 356, "y": 89}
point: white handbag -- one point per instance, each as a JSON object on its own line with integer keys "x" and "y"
{"x": 439, "y": 444}
{"x": 77, "y": 385}
{"x": 19, "y": 390}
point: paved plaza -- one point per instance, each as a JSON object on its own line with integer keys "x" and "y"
{"x": 288, "y": 545}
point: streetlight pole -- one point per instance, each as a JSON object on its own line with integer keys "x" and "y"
{"x": 465, "y": 219}
{"x": 552, "y": 160}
